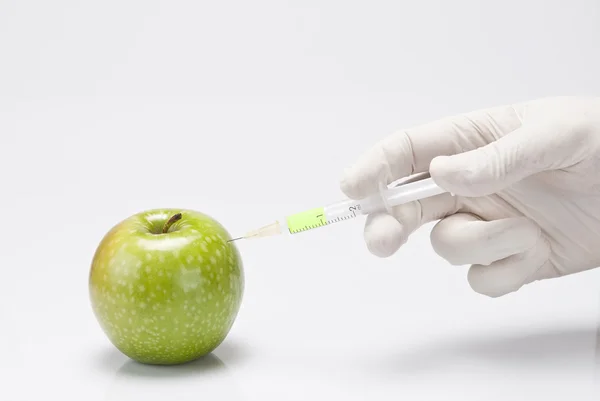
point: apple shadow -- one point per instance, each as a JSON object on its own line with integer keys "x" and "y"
{"x": 206, "y": 364}
{"x": 112, "y": 360}
{"x": 207, "y": 375}
{"x": 231, "y": 352}
{"x": 109, "y": 360}
{"x": 226, "y": 354}
{"x": 560, "y": 348}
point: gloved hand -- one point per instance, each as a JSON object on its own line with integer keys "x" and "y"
{"x": 526, "y": 185}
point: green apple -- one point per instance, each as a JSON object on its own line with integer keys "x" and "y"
{"x": 166, "y": 285}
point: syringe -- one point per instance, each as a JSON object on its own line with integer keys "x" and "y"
{"x": 348, "y": 209}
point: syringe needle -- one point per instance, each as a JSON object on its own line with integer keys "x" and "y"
{"x": 266, "y": 231}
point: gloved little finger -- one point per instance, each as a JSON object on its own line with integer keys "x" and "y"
{"x": 386, "y": 233}
{"x": 510, "y": 274}
{"x": 463, "y": 238}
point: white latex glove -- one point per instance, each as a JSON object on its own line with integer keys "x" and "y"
{"x": 526, "y": 179}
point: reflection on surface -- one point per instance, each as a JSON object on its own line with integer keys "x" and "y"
{"x": 554, "y": 350}
{"x": 205, "y": 378}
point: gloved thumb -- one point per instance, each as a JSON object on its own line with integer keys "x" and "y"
{"x": 519, "y": 154}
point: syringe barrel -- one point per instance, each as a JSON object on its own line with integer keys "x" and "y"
{"x": 372, "y": 204}
{"x": 344, "y": 210}
{"x": 401, "y": 194}
{"x": 412, "y": 191}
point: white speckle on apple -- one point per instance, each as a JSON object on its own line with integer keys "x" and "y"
{"x": 218, "y": 253}
{"x": 189, "y": 259}
{"x": 189, "y": 281}
{"x": 141, "y": 287}
{"x": 204, "y": 247}
{"x": 161, "y": 258}
{"x": 208, "y": 239}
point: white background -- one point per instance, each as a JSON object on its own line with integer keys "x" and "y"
{"x": 247, "y": 111}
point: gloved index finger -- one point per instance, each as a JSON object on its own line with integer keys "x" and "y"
{"x": 410, "y": 151}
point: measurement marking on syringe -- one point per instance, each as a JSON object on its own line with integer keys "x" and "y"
{"x": 321, "y": 223}
{"x": 318, "y": 217}
{"x": 340, "y": 219}
{"x": 306, "y": 228}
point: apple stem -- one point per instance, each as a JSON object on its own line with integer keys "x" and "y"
{"x": 170, "y": 222}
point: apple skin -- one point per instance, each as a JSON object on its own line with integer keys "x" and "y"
{"x": 166, "y": 298}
